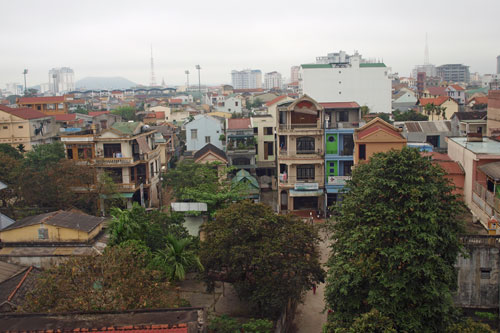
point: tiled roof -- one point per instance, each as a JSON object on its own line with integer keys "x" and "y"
{"x": 340, "y": 105}
{"x": 428, "y": 126}
{"x": 98, "y": 113}
{"x": 457, "y": 87}
{"x": 210, "y": 148}
{"x": 41, "y": 100}
{"x": 24, "y": 113}
{"x": 471, "y": 115}
{"x": 437, "y": 91}
{"x": 175, "y": 101}
{"x": 480, "y": 99}
{"x": 65, "y": 117}
{"x": 451, "y": 167}
{"x": 14, "y": 289}
{"x": 65, "y": 219}
{"x": 275, "y": 100}
{"x": 239, "y": 123}
{"x": 436, "y": 101}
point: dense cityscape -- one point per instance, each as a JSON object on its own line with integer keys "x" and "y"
{"x": 339, "y": 195}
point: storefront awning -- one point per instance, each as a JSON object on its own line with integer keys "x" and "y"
{"x": 313, "y": 193}
{"x": 118, "y": 195}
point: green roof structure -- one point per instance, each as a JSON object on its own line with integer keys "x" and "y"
{"x": 375, "y": 64}
{"x": 252, "y": 185}
{"x": 316, "y": 66}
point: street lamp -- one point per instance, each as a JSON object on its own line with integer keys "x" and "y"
{"x": 187, "y": 75}
{"x": 199, "y": 81}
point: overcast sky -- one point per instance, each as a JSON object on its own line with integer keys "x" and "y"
{"x": 113, "y": 38}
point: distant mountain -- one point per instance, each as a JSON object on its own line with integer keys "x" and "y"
{"x": 104, "y": 83}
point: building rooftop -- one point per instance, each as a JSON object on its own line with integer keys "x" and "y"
{"x": 41, "y": 100}
{"x": 238, "y": 123}
{"x": 126, "y": 127}
{"x": 24, "y": 113}
{"x": 340, "y": 105}
{"x": 487, "y": 146}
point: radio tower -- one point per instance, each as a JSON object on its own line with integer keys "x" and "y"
{"x": 153, "y": 79}
{"x": 426, "y": 56}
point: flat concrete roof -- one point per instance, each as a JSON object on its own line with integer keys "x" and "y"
{"x": 488, "y": 146}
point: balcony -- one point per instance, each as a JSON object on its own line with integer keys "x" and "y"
{"x": 292, "y": 180}
{"x": 344, "y": 124}
{"x": 114, "y": 161}
{"x": 338, "y": 180}
{"x": 316, "y": 153}
{"x": 485, "y": 199}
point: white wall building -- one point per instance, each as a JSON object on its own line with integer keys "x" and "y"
{"x": 61, "y": 80}
{"x": 202, "y": 130}
{"x": 294, "y": 73}
{"x": 429, "y": 70}
{"x": 230, "y": 104}
{"x": 246, "y": 79}
{"x": 348, "y": 79}
{"x": 273, "y": 80}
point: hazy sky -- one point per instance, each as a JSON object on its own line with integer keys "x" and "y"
{"x": 113, "y": 38}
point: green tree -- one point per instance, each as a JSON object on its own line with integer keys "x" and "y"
{"x": 177, "y": 258}
{"x": 208, "y": 183}
{"x": 430, "y": 109}
{"x": 116, "y": 281}
{"x": 410, "y": 115}
{"x": 10, "y": 151}
{"x": 82, "y": 110}
{"x": 269, "y": 258}
{"x": 126, "y": 112}
{"x": 469, "y": 326}
{"x": 385, "y": 117}
{"x": 364, "y": 110}
{"x": 394, "y": 244}
{"x": 45, "y": 155}
{"x": 21, "y": 148}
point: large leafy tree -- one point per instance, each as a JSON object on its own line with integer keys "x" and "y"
{"x": 45, "y": 155}
{"x": 394, "y": 244}
{"x": 126, "y": 112}
{"x": 208, "y": 183}
{"x": 410, "y": 115}
{"x": 10, "y": 151}
{"x": 116, "y": 281}
{"x": 269, "y": 258}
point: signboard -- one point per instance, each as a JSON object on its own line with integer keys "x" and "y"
{"x": 338, "y": 180}
{"x": 306, "y": 186}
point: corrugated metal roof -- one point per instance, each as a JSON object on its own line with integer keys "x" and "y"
{"x": 492, "y": 170}
{"x": 428, "y": 126}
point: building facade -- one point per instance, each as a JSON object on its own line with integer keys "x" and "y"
{"x": 240, "y": 143}
{"x": 344, "y": 78}
{"x": 454, "y": 73}
{"x": 273, "y": 80}
{"x": 300, "y": 155}
{"x": 294, "y": 73}
{"x": 61, "y": 80}
{"x": 202, "y": 130}
{"x": 246, "y": 79}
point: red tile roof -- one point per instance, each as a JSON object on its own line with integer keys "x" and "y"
{"x": 65, "y": 117}
{"x": 175, "y": 101}
{"x": 24, "y": 113}
{"x": 437, "y": 91}
{"x": 451, "y": 167}
{"x": 340, "y": 105}
{"x": 276, "y": 100}
{"x": 480, "y": 99}
{"x": 248, "y": 90}
{"x": 76, "y": 101}
{"x": 457, "y": 87}
{"x": 41, "y": 100}
{"x": 160, "y": 114}
{"x": 239, "y": 123}
{"x": 98, "y": 113}
{"x": 436, "y": 101}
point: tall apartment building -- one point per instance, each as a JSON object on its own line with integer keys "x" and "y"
{"x": 294, "y": 73}
{"x": 246, "y": 79}
{"x": 498, "y": 64}
{"x": 273, "y": 80}
{"x": 454, "y": 73}
{"x": 61, "y": 80}
{"x": 344, "y": 78}
{"x": 429, "y": 70}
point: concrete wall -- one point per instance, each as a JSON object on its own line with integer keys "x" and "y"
{"x": 205, "y": 126}
{"x": 478, "y": 274}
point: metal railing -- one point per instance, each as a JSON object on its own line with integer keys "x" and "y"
{"x": 343, "y": 124}
{"x": 285, "y": 152}
{"x": 311, "y": 126}
{"x": 294, "y": 179}
{"x": 114, "y": 160}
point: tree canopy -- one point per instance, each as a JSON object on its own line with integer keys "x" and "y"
{"x": 394, "y": 244}
{"x": 45, "y": 156}
{"x": 208, "y": 183}
{"x": 269, "y": 258}
{"x": 126, "y": 112}
{"x": 118, "y": 280}
{"x": 10, "y": 151}
{"x": 410, "y": 115}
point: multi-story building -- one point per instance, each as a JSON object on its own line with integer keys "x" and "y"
{"x": 457, "y": 93}
{"x": 127, "y": 152}
{"x": 341, "y": 118}
{"x": 246, "y": 79}
{"x": 50, "y": 105}
{"x": 273, "y": 80}
{"x": 454, "y": 73}
{"x": 61, "y": 80}
{"x": 202, "y": 130}
{"x": 26, "y": 127}
{"x": 300, "y": 155}
{"x": 498, "y": 64}
{"x": 429, "y": 70}
{"x": 264, "y": 128}
{"x": 343, "y": 78}
{"x": 294, "y": 74}
{"x": 493, "y": 113}
{"x": 240, "y": 143}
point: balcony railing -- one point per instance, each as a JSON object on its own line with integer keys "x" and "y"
{"x": 285, "y": 179}
{"x": 314, "y": 126}
{"x": 486, "y": 200}
{"x": 114, "y": 160}
{"x": 292, "y": 153}
{"x": 343, "y": 124}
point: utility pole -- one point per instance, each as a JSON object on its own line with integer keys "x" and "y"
{"x": 199, "y": 81}
{"x": 24, "y": 73}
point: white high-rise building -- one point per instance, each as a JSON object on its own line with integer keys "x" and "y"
{"x": 339, "y": 77}
{"x": 294, "y": 74}
{"x": 273, "y": 80}
{"x": 429, "y": 70}
{"x": 61, "y": 80}
{"x": 246, "y": 79}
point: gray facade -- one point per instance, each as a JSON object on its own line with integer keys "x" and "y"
{"x": 454, "y": 73}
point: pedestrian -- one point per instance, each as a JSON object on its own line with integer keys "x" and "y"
{"x": 314, "y": 289}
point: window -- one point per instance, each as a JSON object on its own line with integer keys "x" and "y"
{"x": 6, "y": 127}
{"x": 69, "y": 152}
{"x": 51, "y": 106}
{"x": 305, "y": 145}
{"x": 19, "y": 127}
{"x": 39, "y": 107}
{"x": 305, "y": 172}
{"x": 268, "y": 131}
{"x": 194, "y": 134}
{"x": 112, "y": 150}
{"x": 362, "y": 152}
{"x": 348, "y": 168}
{"x": 235, "y": 103}
{"x": 485, "y": 273}
{"x": 255, "y": 130}
{"x": 207, "y": 139}
{"x": 270, "y": 148}
{"x": 60, "y": 106}
{"x": 343, "y": 116}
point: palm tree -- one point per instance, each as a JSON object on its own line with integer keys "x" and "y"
{"x": 429, "y": 109}
{"x": 176, "y": 258}
{"x": 437, "y": 110}
{"x": 443, "y": 112}
{"x": 122, "y": 226}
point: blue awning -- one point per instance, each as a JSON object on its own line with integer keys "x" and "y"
{"x": 118, "y": 195}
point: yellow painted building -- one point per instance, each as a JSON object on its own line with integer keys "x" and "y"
{"x": 377, "y": 136}
{"x": 26, "y": 126}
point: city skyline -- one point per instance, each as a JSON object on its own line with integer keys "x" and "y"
{"x": 114, "y": 38}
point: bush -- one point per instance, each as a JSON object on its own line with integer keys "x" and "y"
{"x": 469, "y": 326}
{"x": 257, "y": 326}
{"x": 224, "y": 324}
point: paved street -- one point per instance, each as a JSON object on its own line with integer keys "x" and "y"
{"x": 309, "y": 317}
